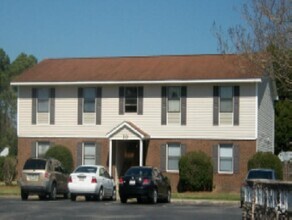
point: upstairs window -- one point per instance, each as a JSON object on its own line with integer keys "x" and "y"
{"x": 131, "y": 99}
{"x": 174, "y": 94}
{"x": 226, "y": 99}
{"x": 89, "y": 95}
{"x": 43, "y": 96}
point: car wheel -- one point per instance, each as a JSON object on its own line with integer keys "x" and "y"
{"x": 100, "y": 194}
{"x": 73, "y": 197}
{"x": 42, "y": 197}
{"x": 153, "y": 199}
{"x": 168, "y": 198}
{"x": 53, "y": 193}
{"x": 65, "y": 195}
{"x": 139, "y": 200}
{"x": 123, "y": 199}
{"x": 114, "y": 194}
{"x": 24, "y": 195}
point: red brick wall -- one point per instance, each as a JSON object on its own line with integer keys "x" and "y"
{"x": 221, "y": 182}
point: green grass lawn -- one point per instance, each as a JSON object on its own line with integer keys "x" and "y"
{"x": 207, "y": 196}
{"x": 9, "y": 190}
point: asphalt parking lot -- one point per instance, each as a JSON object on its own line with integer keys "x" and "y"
{"x": 14, "y": 208}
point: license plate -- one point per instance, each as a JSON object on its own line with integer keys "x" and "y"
{"x": 132, "y": 182}
{"x": 32, "y": 177}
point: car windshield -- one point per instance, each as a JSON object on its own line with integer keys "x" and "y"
{"x": 139, "y": 172}
{"x": 35, "y": 165}
{"x": 86, "y": 170}
{"x": 260, "y": 174}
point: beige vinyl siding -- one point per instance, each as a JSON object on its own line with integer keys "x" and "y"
{"x": 266, "y": 114}
{"x": 199, "y": 115}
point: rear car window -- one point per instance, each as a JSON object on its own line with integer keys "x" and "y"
{"x": 35, "y": 165}
{"x": 259, "y": 174}
{"x": 86, "y": 170}
{"x": 139, "y": 172}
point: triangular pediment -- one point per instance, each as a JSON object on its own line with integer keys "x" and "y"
{"x": 127, "y": 131}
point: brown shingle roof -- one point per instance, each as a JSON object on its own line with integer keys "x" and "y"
{"x": 181, "y": 67}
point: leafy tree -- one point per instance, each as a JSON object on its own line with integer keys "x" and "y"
{"x": 266, "y": 160}
{"x": 195, "y": 172}
{"x": 283, "y": 126}
{"x": 264, "y": 39}
{"x": 9, "y": 170}
{"x": 63, "y": 154}
{"x": 9, "y": 70}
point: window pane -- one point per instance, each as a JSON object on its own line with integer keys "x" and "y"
{"x": 226, "y": 105}
{"x": 226, "y": 151}
{"x": 174, "y": 153}
{"x": 43, "y": 147}
{"x": 226, "y": 165}
{"x": 89, "y": 153}
{"x": 226, "y": 158}
{"x": 131, "y": 99}
{"x": 131, "y": 92}
{"x": 174, "y": 150}
{"x": 89, "y": 93}
{"x": 174, "y": 93}
{"x": 89, "y": 105}
{"x": 89, "y": 100}
{"x": 174, "y": 106}
{"x": 226, "y": 99}
{"x": 226, "y": 92}
{"x": 173, "y": 163}
{"x": 43, "y": 100}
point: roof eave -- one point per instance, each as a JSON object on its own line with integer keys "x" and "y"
{"x": 133, "y": 82}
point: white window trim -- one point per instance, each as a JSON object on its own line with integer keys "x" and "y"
{"x": 37, "y": 109}
{"x": 167, "y": 170}
{"x": 232, "y": 164}
{"x": 37, "y": 147}
{"x": 130, "y": 113}
{"x": 83, "y": 150}
{"x": 219, "y": 107}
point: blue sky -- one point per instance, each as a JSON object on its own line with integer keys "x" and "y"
{"x": 103, "y": 28}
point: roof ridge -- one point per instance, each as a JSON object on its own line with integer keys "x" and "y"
{"x": 139, "y": 56}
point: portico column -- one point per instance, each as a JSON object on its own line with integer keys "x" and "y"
{"x": 110, "y": 156}
{"x": 141, "y": 153}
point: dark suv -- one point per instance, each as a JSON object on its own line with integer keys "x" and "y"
{"x": 44, "y": 177}
{"x": 144, "y": 183}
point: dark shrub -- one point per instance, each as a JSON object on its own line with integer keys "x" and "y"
{"x": 266, "y": 160}
{"x": 62, "y": 154}
{"x": 1, "y": 168}
{"x": 195, "y": 172}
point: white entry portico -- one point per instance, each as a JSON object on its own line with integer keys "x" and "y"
{"x": 126, "y": 132}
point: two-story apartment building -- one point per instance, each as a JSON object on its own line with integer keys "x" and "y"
{"x": 127, "y": 111}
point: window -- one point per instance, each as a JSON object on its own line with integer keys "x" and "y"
{"x": 226, "y": 99}
{"x": 41, "y": 149}
{"x": 89, "y": 153}
{"x": 89, "y": 99}
{"x": 226, "y": 158}
{"x": 131, "y": 97}
{"x": 174, "y": 94}
{"x": 43, "y": 100}
{"x": 173, "y": 156}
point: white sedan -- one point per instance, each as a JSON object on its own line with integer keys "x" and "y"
{"x": 91, "y": 181}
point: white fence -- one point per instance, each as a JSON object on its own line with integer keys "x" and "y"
{"x": 267, "y": 199}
